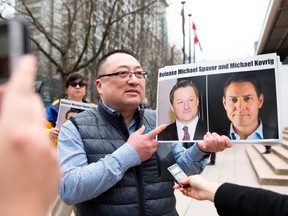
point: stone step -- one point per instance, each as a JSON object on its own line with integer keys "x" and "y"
{"x": 282, "y": 152}
{"x": 276, "y": 163}
{"x": 285, "y": 144}
{"x": 264, "y": 173}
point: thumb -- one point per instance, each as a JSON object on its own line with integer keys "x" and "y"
{"x": 185, "y": 181}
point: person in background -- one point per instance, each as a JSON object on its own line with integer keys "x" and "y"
{"x": 231, "y": 199}
{"x": 110, "y": 164}
{"x": 184, "y": 100}
{"x": 30, "y": 173}
{"x": 76, "y": 86}
{"x": 59, "y": 208}
{"x": 242, "y": 100}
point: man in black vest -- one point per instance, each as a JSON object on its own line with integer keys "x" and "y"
{"x": 111, "y": 163}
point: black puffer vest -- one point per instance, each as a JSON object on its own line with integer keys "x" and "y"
{"x": 144, "y": 190}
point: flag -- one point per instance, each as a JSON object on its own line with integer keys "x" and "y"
{"x": 183, "y": 21}
{"x": 193, "y": 26}
{"x": 196, "y": 39}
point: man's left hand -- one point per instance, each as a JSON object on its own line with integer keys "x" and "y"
{"x": 213, "y": 142}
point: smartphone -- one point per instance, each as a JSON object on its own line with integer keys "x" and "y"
{"x": 178, "y": 174}
{"x": 14, "y": 42}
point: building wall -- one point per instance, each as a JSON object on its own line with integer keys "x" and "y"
{"x": 283, "y": 83}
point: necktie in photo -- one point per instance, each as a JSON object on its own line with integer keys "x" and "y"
{"x": 186, "y": 133}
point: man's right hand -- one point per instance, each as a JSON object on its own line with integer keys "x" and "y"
{"x": 145, "y": 144}
{"x": 200, "y": 188}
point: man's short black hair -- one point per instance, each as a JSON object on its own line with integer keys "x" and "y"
{"x": 244, "y": 77}
{"x": 72, "y": 110}
{"x": 103, "y": 59}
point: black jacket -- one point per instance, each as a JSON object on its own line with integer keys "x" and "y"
{"x": 236, "y": 200}
{"x": 270, "y": 132}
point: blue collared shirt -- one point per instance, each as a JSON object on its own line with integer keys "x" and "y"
{"x": 82, "y": 181}
{"x": 131, "y": 127}
{"x": 257, "y": 134}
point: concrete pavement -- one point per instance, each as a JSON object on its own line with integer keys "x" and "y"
{"x": 232, "y": 165}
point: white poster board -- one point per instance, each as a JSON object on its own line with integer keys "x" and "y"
{"x": 66, "y": 105}
{"x": 210, "y": 79}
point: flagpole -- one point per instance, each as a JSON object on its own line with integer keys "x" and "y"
{"x": 194, "y": 46}
{"x": 190, "y": 27}
{"x": 183, "y": 30}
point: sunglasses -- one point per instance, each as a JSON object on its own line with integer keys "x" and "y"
{"x": 81, "y": 84}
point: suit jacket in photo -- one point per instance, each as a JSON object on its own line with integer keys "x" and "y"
{"x": 170, "y": 133}
{"x": 270, "y": 132}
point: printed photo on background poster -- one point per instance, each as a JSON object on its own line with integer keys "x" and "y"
{"x": 67, "y": 108}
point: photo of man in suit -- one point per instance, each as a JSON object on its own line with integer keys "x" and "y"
{"x": 243, "y": 98}
{"x": 184, "y": 103}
